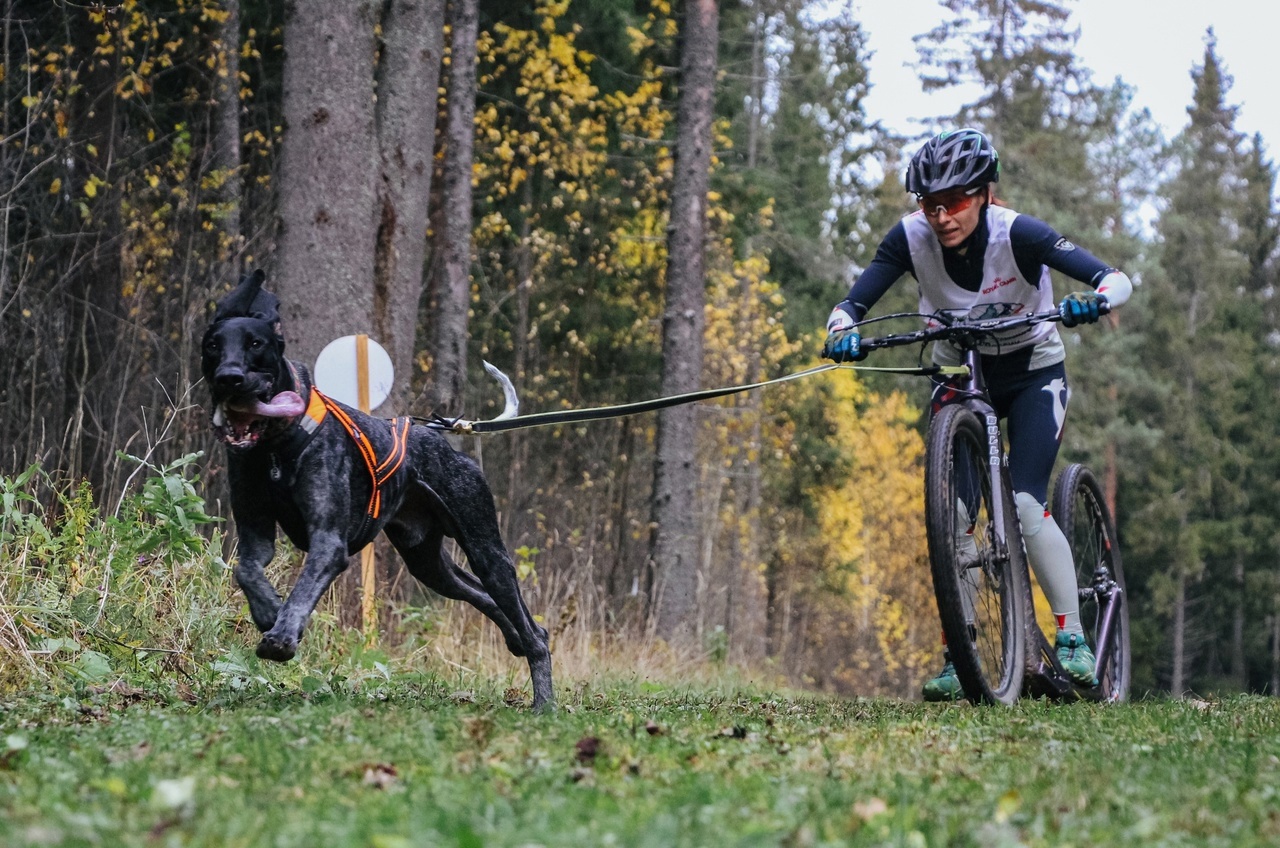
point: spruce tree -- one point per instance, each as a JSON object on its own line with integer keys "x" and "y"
{"x": 1203, "y": 345}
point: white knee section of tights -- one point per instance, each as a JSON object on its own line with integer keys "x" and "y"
{"x": 1050, "y": 557}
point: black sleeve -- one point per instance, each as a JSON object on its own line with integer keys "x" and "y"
{"x": 1035, "y": 243}
{"x": 892, "y": 260}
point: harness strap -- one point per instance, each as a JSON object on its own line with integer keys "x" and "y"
{"x": 318, "y": 408}
{"x": 313, "y": 416}
{"x": 379, "y": 472}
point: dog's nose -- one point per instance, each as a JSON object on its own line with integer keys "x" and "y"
{"x": 229, "y": 378}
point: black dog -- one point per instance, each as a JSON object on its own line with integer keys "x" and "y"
{"x": 332, "y": 478}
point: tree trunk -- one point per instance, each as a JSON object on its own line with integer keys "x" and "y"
{"x": 226, "y": 139}
{"x": 449, "y": 337}
{"x": 409, "y": 79}
{"x": 1111, "y": 463}
{"x": 518, "y": 440}
{"x": 328, "y": 175}
{"x": 1275, "y": 650}
{"x": 1239, "y": 669}
{"x": 1177, "y": 685}
{"x": 674, "y": 544}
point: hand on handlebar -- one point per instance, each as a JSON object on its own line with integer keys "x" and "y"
{"x": 844, "y": 346}
{"x": 1083, "y": 308}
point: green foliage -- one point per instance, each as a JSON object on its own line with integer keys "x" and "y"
{"x": 795, "y": 114}
{"x": 88, "y": 598}
{"x": 171, "y": 510}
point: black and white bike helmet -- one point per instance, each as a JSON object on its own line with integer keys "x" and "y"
{"x": 960, "y": 159}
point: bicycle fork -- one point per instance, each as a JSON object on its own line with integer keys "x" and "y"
{"x": 1108, "y": 594}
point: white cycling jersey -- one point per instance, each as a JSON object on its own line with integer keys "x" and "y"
{"x": 1004, "y": 291}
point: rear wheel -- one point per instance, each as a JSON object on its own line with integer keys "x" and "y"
{"x": 1081, "y": 511}
{"x": 979, "y": 580}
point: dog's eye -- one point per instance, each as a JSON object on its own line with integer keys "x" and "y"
{"x": 255, "y": 344}
{"x": 213, "y": 345}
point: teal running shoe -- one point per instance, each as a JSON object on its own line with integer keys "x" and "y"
{"x": 946, "y": 686}
{"x": 1076, "y": 658}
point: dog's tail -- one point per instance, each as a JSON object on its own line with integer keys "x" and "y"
{"x": 508, "y": 392}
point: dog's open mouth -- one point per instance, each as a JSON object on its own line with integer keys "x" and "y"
{"x": 241, "y": 422}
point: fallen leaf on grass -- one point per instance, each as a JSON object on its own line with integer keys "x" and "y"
{"x": 1007, "y": 805}
{"x": 136, "y": 753}
{"x": 587, "y": 748}
{"x": 174, "y": 794}
{"x": 15, "y": 751}
{"x": 158, "y": 829}
{"x": 870, "y": 808}
{"x": 380, "y": 775}
{"x": 652, "y": 728}
{"x": 479, "y": 729}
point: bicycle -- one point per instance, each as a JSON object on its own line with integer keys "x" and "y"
{"x": 981, "y": 576}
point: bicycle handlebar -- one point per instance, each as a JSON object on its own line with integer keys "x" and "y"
{"x": 961, "y": 329}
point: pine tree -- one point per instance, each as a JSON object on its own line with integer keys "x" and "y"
{"x": 1196, "y": 485}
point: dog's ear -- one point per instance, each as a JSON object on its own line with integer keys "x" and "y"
{"x": 251, "y": 300}
{"x": 266, "y": 306}
{"x": 240, "y": 303}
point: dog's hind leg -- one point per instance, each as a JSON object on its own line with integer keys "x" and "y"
{"x": 428, "y": 562}
{"x": 481, "y": 542}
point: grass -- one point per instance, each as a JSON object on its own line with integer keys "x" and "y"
{"x": 133, "y": 713}
{"x": 411, "y": 760}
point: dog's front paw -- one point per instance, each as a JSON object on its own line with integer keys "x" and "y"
{"x": 275, "y": 649}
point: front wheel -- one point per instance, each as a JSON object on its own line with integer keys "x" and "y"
{"x": 979, "y": 574}
{"x": 1082, "y": 512}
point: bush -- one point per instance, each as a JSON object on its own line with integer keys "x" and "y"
{"x": 85, "y": 598}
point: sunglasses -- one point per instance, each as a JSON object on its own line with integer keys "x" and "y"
{"x": 954, "y": 203}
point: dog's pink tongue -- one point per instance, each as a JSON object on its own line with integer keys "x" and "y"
{"x": 283, "y": 405}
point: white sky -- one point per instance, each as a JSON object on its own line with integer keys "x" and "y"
{"x": 1151, "y": 44}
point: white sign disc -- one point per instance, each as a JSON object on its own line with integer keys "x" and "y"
{"x": 337, "y": 375}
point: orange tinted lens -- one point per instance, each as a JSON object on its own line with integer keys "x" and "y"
{"x": 954, "y": 204}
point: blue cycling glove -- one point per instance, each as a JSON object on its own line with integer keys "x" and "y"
{"x": 1081, "y": 308}
{"x": 844, "y": 346}
{"x": 844, "y": 343}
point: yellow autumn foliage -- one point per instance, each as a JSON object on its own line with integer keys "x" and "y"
{"x": 872, "y": 528}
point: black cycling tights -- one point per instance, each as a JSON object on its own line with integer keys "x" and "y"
{"x": 1033, "y": 405}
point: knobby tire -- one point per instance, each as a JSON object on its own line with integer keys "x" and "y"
{"x": 990, "y": 665}
{"x": 1081, "y": 511}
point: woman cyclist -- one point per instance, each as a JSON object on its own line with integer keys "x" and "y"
{"x": 973, "y": 258}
